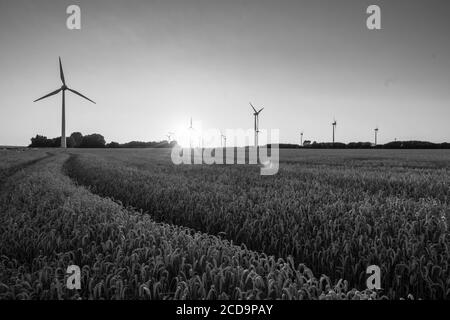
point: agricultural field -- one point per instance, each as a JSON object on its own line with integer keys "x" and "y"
{"x": 141, "y": 227}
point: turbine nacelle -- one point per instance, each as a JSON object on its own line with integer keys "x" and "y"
{"x": 256, "y": 113}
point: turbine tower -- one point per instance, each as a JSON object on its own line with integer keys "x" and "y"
{"x": 301, "y": 138}
{"x": 63, "y": 89}
{"x": 224, "y": 137}
{"x": 256, "y": 115}
{"x": 191, "y": 128}
{"x": 334, "y": 128}
{"x": 376, "y": 135}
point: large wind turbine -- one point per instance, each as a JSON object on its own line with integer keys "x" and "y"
{"x": 63, "y": 89}
{"x": 376, "y": 135}
{"x": 301, "y": 138}
{"x": 334, "y": 128}
{"x": 256, "y": 115}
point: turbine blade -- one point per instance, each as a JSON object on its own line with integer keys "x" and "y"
{"x": 260, "y": 110}
{"x": 48, "y": 95}
{"x": 76, "y": 92}
{"x": 253, "y": 107}
{"x": 61, "y": 72}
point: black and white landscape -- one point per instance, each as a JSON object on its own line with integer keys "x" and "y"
{"x": 224, "y": 150}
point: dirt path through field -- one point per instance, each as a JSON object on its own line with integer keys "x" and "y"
{"x": 9, "y": 172}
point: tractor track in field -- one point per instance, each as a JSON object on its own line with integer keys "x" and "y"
{"x": 9, "y": 172}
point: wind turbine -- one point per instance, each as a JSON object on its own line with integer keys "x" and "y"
{"x": 334, "y": 128}
{"x": 301, "y": 138}
{"x": 376, "y": 135}
{"x": 256, "y": 115}
{"x": 224, "y": 137}
{"x": 63, "y": 89}
{"x": 169, "y": 136}
{"x": 191, "y": 128}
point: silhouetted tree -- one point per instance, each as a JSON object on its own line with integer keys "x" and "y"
{"x": 359, "y": 145}
{"x": 412, "y": 145}
{"x": 40, "y": 142}
{"x": 285, "y": 146}
{"x": 93, "y": 141}
{"x": 77, "y": 138}
{"x": 113, "y": 144}
{"x": 327, "y": 145}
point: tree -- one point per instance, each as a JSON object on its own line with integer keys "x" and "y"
{"x": 40, "y": 142}
{"x": 359, "y": 145}
{"x": 76, "y": 138}
{"x": 113, "y": 144}
{"x": 93, "y": 141}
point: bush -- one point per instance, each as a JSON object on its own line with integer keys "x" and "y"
{"x": 93, "y": 141}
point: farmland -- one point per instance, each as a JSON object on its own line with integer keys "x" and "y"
{"x": 142, "y": 228}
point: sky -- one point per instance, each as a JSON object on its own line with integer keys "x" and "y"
{"x": 151, "y": 65}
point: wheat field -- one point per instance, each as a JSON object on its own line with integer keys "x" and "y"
{"x": 141, "y": 227}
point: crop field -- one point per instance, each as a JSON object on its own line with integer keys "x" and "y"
{"x": 141, "y": 227}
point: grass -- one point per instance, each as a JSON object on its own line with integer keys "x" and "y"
{"x": 13, "y": 161}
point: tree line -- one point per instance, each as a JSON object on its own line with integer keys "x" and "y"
{"x": 78, "y": 140}
{"x": 368, "y": 145}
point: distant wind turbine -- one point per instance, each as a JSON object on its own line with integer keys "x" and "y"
{"x": 169, "y": 136}
{"x": 334, "y": 128}
{"x": 256, "y": 115}
{"x": 301, "y": 138}
{"x": 63, "y": 89}
{"x": 376, "y": 135}
{"x": 191, "y": 128}
{"x": 224, "y": 137}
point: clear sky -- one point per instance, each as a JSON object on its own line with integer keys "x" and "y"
{"x": 151, "y": 65}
